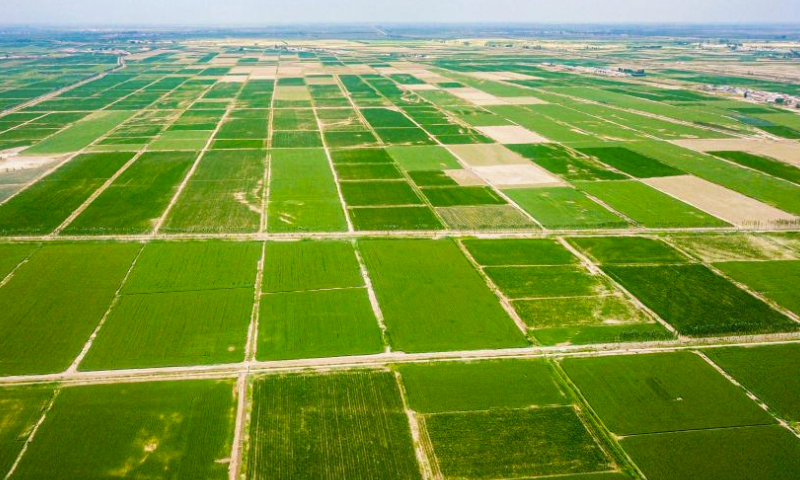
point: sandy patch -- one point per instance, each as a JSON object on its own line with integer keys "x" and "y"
{"x": 320, "y": 81}
{"x": 427, "y": 75}
{"x": 487, "y": 155}
{"x": 292, "y": 93}
{"x": 143, "y": 55}
{"x": 290, "y": 71}
{"x": 221, "y": 61}
{"x": 529, "y": 175}
{"x": 523, "y": 101}
{"x": 241, "y": 71}
{"x": 16, "y": 163}
{"x": 511, "y": 134}
{"x": 473, "y": 95}
{"x": 465, "y": 178}
{"x": 351, "y": 70}
{"x": 481, "y": 98}
{"x": 419, "y": 87}
{"x": 10, "y": 152}
{"x": 388, "y": 70}
{"x": 786, "y": 150}
{"x": 234, "y": 79}
{"x": 263, "y": 73}
{"x": 502, "y": 76}
{"x": 731, "y": 206}
{"x": 739, "y": 247}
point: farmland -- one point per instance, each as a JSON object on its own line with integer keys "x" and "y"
{"x": 412, "y": 256}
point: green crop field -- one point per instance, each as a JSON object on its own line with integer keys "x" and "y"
{"x": 306, "y": 426}
{"x": 310, "y": 265}
{"x": 448, "y": 307}
{"x": 225, "y": 194}
{"x": 137, "y": 198}
{"x": 442, "y": 251}
{"x": 456, "y": 386}
{"x": 80, "y": 135}
{"x": 302, "y": 193}
{"x": 756, "y": 453}
{"x": 660, "y": 393}
{"x": 767, "y": 371}
{"x": 499, "y": 444}
{"x": 46, "y": 204}
{"x": 775, "y": 280}
{"x": 567, "y": 208}
{"x": 699, "y": 302}
{"x": 647, "y": 206}
{"x": 627, "y": 250}
{"x": 54, "y": 302}
{"x": 155, "y": 430}
{"x": 323, "y": 323}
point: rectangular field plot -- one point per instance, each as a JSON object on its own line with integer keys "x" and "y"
{"x": 424, "y": 158}
{"x": 627, "y": 250}
{"x": 317, "y": 305}
{"x": 303, "y": 194}
{"x": 729, "y": 205}
{"x": 136, "y": 199}
{"x": 20, "y": 409}
{"x": 462, "y": 386}
{"x": 519, "y": 282}
{"x": 54, "y": 302}
{"x": 769, "y": 371}
{"x": 751, "y": 453}
{"x": 462, "y": 196}
{"x": 519, "y": 252}
{"x": 348, "y": 426}
{"x": 563, "y": 207}
{"x": 47, "y": 203}
{"x": 191, "y": 266}
{"x": 776, "y": 280}
{"x": 560, "y": 301}
{"x": 184, "y": 304}
{"x": 739, "y": 247}
{"x": 394, "y": 218}
{"x": 159, "y": 430}
{"x": 321, "y": 323}
{"x": 513, "y": 444}
{"x": 173, "y": 329}
{"x": 224, "y": 195}
{"x": 485, "y": 217}
{"x": 767, "y": 165}
{"x": 632, "y": 163}
{"x": 566, "y": 163}
{"x": 310, "y": 265}
{"x": 647, "y": 206}
{"x": 81, "y": 134}
{"x": 698, "y": 302}
{"x": 447, "y": 307}
{"x": 637, "y": 394}
{"x": 379, "y": 193}
{"x": 379, "y": 171}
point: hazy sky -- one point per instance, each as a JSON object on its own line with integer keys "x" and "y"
{"x": 254, "y": 12}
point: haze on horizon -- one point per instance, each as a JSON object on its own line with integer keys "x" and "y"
{"x": 271, "y": 12}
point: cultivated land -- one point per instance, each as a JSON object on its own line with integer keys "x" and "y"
{"x": 333, "y": 259}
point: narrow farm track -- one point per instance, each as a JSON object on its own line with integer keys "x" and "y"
{"x": 232, "y": 370}
{"x": 434, "y": 234}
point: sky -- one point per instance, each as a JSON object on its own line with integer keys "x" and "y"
{"x": 271, "y": 12}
